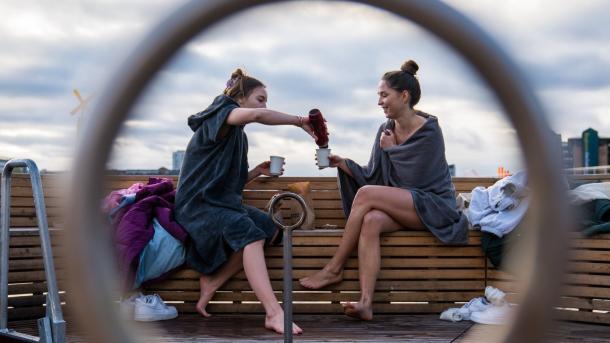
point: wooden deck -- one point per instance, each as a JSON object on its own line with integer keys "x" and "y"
{"x": 332, "y": 328}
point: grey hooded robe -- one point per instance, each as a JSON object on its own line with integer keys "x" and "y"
{"x": 209, "y": 193}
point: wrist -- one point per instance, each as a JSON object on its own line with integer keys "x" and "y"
{"x": 299, "y": 121}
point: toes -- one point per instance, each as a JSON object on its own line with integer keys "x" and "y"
{"x": 348, "y": 305}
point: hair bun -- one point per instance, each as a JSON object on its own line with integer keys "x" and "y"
{"x": 410, "y": 67}
{"x": 237, "y": 73}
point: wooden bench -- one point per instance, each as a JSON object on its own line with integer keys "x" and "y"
{"x": 419, "y": 274}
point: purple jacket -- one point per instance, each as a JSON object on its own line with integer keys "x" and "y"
{"x": 133, "y": 224}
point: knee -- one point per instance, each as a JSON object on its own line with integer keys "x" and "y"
{"x": 363, "y": 197}
{"x": 372, "y": 223}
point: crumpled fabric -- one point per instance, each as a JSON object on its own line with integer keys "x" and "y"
{"x": 499, "y": 208}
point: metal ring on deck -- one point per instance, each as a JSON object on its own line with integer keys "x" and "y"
{"x": 88, "y": 243}
{"x": 281, "y": 196}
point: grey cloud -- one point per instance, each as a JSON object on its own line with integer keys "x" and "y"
{"x": 37, "y": 81}
{"x": 577, "y": 71}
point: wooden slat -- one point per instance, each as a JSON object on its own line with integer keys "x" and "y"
{"x": 386, "y": 240}
{"x": 315, "y": 308}
{"x": 590, "y": 255}
{"x": 585, "y": 279}
{"x": 385, "y": 251}
{"x": 583, "y": 316}
{"x": 330, "y": 296}
{"x": 403, "y": 263}
{"x": 382, "y": 285}
{"x": 351, "y": 274}
{"x": 589, "y": 267}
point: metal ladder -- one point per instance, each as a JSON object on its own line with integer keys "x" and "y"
{"x": 51, "y": 328}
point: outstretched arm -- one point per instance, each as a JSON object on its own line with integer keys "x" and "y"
{"x": 243, "y": 116}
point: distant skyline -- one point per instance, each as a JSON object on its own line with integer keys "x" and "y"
{"x": 308, "y": 56}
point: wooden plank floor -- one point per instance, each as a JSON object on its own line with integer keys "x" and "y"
{"x": 332, "y": 328}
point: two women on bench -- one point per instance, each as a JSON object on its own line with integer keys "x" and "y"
{"x": 226, "y": 234}
{"x": 406, "y": 184}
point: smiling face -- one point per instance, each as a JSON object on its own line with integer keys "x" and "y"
{"x": 256, "y": 99}
{"x": 392, "y": 101}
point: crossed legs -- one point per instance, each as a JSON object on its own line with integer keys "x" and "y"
{"x": 375, "y": 210}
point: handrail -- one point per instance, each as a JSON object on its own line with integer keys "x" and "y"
{"x": 287, "y": 255}
{"x": 52, "y": 328}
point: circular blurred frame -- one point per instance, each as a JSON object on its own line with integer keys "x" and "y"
{"x": 91, "y": 295}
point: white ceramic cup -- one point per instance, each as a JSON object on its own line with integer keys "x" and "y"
{"x": 322, "y": 157}
{"x": 277, "y": 163}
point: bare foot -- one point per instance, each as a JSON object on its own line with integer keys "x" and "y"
{"x": 276, "y": 323}
{"x": 207, "y": 292}
{"x": 321, "y": 279}
{"x": 358, "y": 310}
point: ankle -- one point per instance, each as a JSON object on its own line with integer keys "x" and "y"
{"x": 366, "y": 301}
{"x": 208, "y": 285}
{"x": 334, "y": 269}
{"x": 273, "y": 311}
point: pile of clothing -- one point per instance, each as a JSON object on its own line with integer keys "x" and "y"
{"x": 497, "y": 211}
{"x": 149, "y": 243}
{"x": 500, "y": 208}
{"x": 489, "y": 309}
{"x": 592, "y": 203}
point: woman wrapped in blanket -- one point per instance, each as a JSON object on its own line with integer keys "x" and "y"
{"x": 227, "y": 234}
{"x": 406, "y": 184}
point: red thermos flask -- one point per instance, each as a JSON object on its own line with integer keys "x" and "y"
{"x": 318, "y": 123}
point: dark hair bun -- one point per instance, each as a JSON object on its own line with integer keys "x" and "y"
{"x": 410, "y": 67}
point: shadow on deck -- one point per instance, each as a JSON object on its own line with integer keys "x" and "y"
{"x": 331, "y": 328}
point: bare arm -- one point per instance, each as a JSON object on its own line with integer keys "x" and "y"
{"x": 261, "y": 169}
{"x": 253, "y": 174}
{"x": 243, "y": 116}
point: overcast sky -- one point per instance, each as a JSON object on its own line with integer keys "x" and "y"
{"x": 309, "y": 54}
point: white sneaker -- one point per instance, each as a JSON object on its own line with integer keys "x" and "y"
{"x": 474, "y": 305}
{"x": 495, "y": 296}
{"x": 152, "y": 308}
{"x": 494, "y": 315}
{"x": 127, "y": 306}
{"x": 463, "y": 313}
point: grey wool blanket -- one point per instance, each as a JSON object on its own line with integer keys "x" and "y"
{"x": 417, "y": 165}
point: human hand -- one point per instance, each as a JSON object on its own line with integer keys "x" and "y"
{"x": 335, "y": 160}
{"x": 387, "y": 139}
{"x": 307, "y": 127}
{"x": 264, "y": 169}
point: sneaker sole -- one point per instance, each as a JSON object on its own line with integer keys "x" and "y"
{"x": 154, "y": 318}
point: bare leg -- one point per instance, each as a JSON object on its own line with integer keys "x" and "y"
{"x": 369, "y": 261}
{"x": 209, "y": 284}
{"x": 333, "y": 271}
{"x": 256, "y": 272}
{"x": 396, "y": 202}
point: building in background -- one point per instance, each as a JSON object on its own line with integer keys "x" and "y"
{"x": 589, "y": 150}
{"x": 177, "y": 157}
